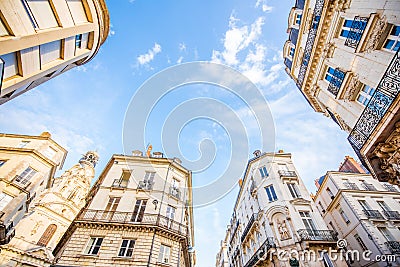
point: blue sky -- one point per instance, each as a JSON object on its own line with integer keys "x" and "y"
{"x": 84, "y": 109}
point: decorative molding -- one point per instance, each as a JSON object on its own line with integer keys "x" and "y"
{"x": 351, "y": 88}
{"x": 375, "y": 34}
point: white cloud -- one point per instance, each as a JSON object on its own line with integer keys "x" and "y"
{"x": 179, "y": 61}
{"x": 264, "y": 6}
{"x": 149, "y": 56}
{"x": 182, "y": 47}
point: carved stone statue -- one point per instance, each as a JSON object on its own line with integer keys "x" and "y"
{"x": 283, "y": 229}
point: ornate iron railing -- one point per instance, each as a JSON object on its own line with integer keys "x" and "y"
{"x": 261, "y": 251}
{"x": 310, "y": 42}
{"x": 373, "y": 214}
{"x": 392, "y": 214}
{"x": 336, "y": 81}
{"x": 356, "y": 31}
{"x": 394, "y": 246}
{"x": 234, "y": 230}
{"x": 369, "y": 187}
{"x": 175, "y": 192}
{"x": 119, "y": 183}
{"x": 248, "y": 226}
{"x": 283, "y": 173}
{"x": 390, "y": 187}
{"x": 145, "y": 185}
{"x": 127, "y": 218}
{"x": 317, "y": 235}
{"x": 386, "y": 92}
{"x": 352, "y": 186}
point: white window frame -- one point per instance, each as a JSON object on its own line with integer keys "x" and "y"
{"x": 365, "y": 95}
{"x": 164, "y": 254}
{"x": 395, "y": 38}
{"x": 307, "y": 220}
{"x": 294, "y": 190}
{"x": 171, "y": 211}
{"x": 127, "y": 249}
{"x": 26, "y": 176}
{"x": 4, "y": 200}
{"x": 93, "y": 243}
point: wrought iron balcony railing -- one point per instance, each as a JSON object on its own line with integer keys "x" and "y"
{"x": 248, "y": 226}
{"x": 374, "y": 214}
{"x": 356, "y": 31}
{"x": 385, "y": 94}
{"x": 392, "y": 215}
{"x": 317, "y": 235}
{"x": 234, "y": 230}
{"x": 145, "y": 185}
{"x": 336, "y": 81}
{"x": 369, "y": 187}
{"x": 394, "y": 246}
{"x": 175, "y": 192}
{"x": 119, "y": 183}
{"x": 261, "y": 251}
{"x": 352, "y": 186}
{"x": 310, "y": 42}
{"x": 128, "y": 218}
{"x": 390, "y": 187}
{"x": 283, "y": 173}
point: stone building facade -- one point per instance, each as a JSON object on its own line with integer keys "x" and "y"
{"x": 27, "y": 168}
{"x": 365, "y": 213}
{"x": 138, "y": 213}
{"x": 42, "y": 39}
{"x": 49, "y": 216}
{"x": 274, "y": 212}
{"x": 343, "y": 56}
{"x": 222, "y": 258}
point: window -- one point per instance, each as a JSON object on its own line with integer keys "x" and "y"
{"x": 393, "y": 40}
{"x": 50, "y": 152}
{"x": 307, "y": 220}
{"x": 383, "y": 205}
{"x": 327, "y": 261}
{"x": 347, "y": 26}
{"x": 263, "y": 171}
{"x": 4, "y": 200}
{"x": 329, "y": 76}
{"x": 50, "y": 52}
{"x": 126, "y": 249}
{"x": 321, "y": 207}
{"x": 271, "y": 193}
{"x": 94, "y": 245}
{"x": 78, "y": 40}
{"x": 123, "y": 180}
{"x": 2, "y": 162}
{"x": 25, "y": 176}
{"x": 77, "y": 11}
{"x": 344, "y": 216}
{"x": 10, "y": 65}
{"x": 294, "y": 190}
{"x": 360, "y": 242}
{"x": 390, "y": 187}
{"x": 297, "y": 19}
{"x": 333, "y": 227}
{"x": 112, "y": 204}
{"x": 149, "y": 177}
{"x": 163, "y": 256}
{"x": 47, "y": 235}
{"x": 386, "y": 233}
{"x": 365, "y": 95}
{"x": 138, "y": 211}
{"x": 171, "y": 212}
{"x": 291, "y": 52}
{"x": 364, "y": 205}
{"x": 175, "y": 183}
{"x": 40, "y": 13}
{"x": 81, "y": 40}
{"x": 315, "y": 22}
{"x": 332, "y": 196}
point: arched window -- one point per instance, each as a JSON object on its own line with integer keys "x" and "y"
{"x": 47, "y": 235}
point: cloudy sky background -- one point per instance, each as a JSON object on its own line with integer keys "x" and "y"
{"x": 84, "y": 109}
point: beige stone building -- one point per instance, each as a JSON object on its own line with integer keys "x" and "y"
{"x": 365, "y": 213}
{"x": 342, "y": 56}
{"x": 49, "y": 216}
{"x": 222, "y": 258}
{"x": 27, "y": 167}
{"x": 274, "y": 213}
{"x": 138, "y": 213}
{"x": 41, "y": 39}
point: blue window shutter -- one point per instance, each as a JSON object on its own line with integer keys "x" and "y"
{"x": 268, "y": 193}
{"x": 261, "y": 171}
{"x": 265, "y": 171}
{"x": 273, "y": 193}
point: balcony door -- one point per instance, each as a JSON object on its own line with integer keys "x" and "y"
{"x": 138, "y": 212}
{"x": 170, "y": 215}
{"x": 111, "y": 207}
{"x": 309, "y": 224}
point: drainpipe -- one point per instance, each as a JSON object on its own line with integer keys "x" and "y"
{"x": 158, "y": 216}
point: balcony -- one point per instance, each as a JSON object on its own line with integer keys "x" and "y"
{"x": 118, "y": 183}
{"x": 369, "y": 187}
{"x": 356, "y": 31}
{"x": 390, "y": 188}
{"x": 317, "y": 235}
{"x": 6, "y": 233}
{"x": 336, "y": 81}
{"x": 260, "y": 253}
{"x": 283, "y": 173}
{"x": 145, "y": 185}
{"x": 373, "y": 215}
{"x": 175, "y": 192}
{"x": 392, "y": 215}
{"x": 351, "y": 186}
{"x": 126, "y": 218}
{"x": 234, "y": 230}
{"x": 248, "y": 226}
{"x": 394, "y": 246}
